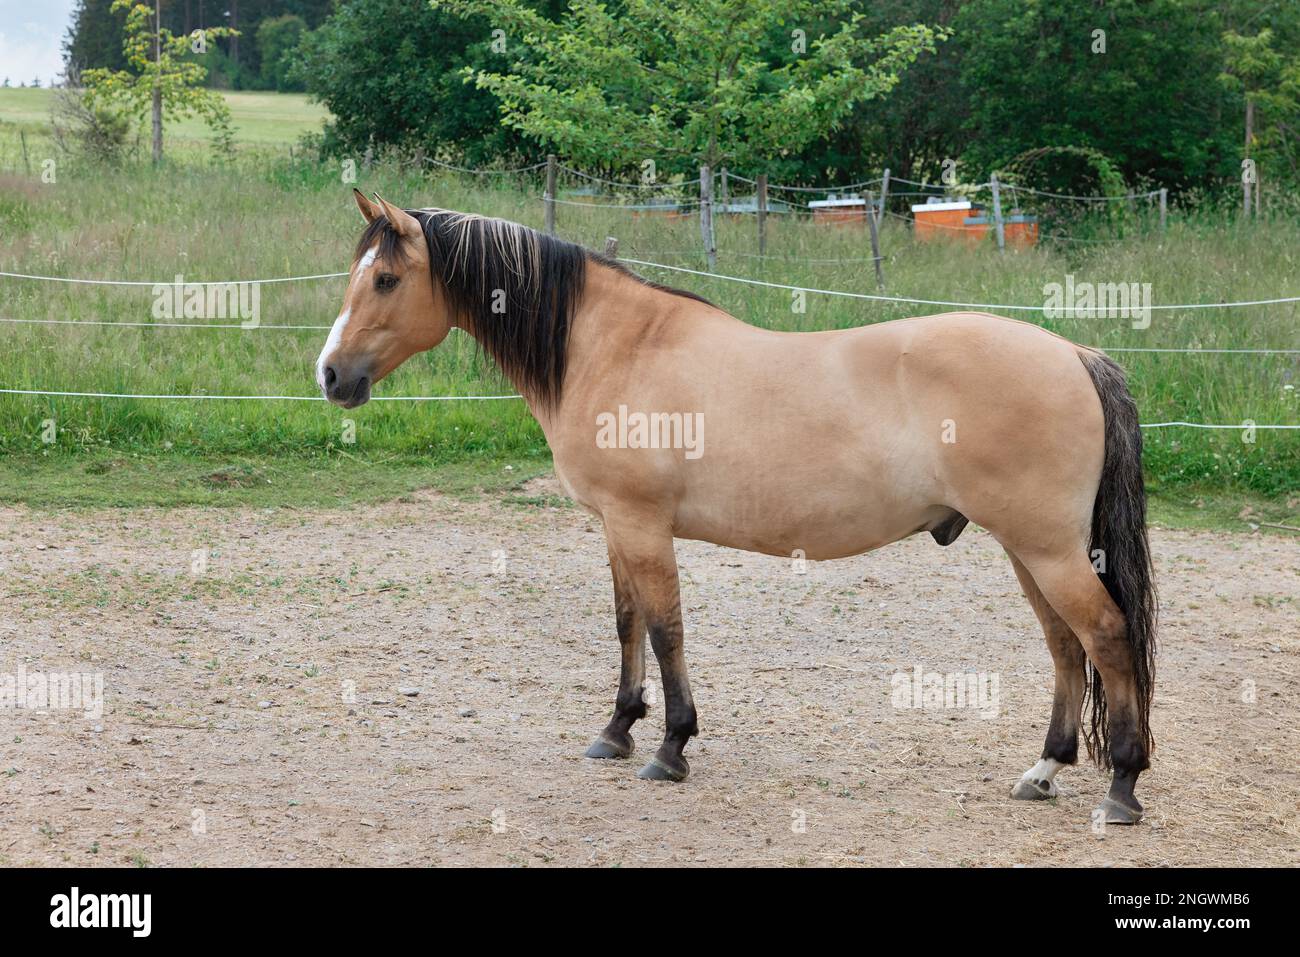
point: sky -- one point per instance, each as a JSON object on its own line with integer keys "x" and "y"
{"x": 31, "y": 39}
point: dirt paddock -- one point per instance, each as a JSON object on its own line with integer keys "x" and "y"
{"x": 415, "y": 683}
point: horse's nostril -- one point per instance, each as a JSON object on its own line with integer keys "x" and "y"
{"x": 330, "y": 377}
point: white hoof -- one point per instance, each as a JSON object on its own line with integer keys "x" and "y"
{"x": 1036, "y": 784}
{"x": 1027, "y": 789}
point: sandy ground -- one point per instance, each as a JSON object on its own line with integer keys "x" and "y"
{"x": 415, "y": 683}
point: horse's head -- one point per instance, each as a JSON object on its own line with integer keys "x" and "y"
{"x": 391, "y": 310}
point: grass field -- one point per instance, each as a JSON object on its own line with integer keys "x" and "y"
{"x": 260, "y": 119}
{"x": 263, "y": 215}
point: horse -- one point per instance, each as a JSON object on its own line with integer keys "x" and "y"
{"x": 822, "y": 445}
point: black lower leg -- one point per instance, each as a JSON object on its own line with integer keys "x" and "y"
{"x": 1062, "y": 742}
{"x": 679, "y": 708}
{"x": 1128, "y": 756}
{"x": 629, "y": 706}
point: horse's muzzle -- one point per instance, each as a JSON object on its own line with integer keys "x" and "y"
{"x": 346, "y": 391}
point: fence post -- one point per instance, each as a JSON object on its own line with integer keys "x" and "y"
{"x": 726, "y": 192}
{"x": 762, "y": 214}
{"x": 1164, "y": 208}
{"x": 27, "y": 163}
{"x": 884, "y": 193}
{"x": 997, "y": 213}
{"x": 611, "y": 247}
{"x": 706, "y": 216}
{"x": 875, "y": 241}
{"x": 548, "y": 198}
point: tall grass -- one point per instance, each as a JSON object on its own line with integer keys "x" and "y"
{"x": 257, "y": 217}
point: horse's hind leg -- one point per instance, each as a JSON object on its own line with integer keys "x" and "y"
{"x": 1062, "y": 745}
{"x": 1075, "y": 592}
{"x": 616, "y": 740}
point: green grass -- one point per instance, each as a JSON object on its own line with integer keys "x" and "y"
{"x": 108, "y": 480}
{"x": 260, "y": 119}
{"x": 263, "y": 215}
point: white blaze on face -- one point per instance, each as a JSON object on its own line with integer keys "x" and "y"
{"x": 336, "y": 331}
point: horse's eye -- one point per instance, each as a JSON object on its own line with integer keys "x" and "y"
{"x": 385, "y": 282}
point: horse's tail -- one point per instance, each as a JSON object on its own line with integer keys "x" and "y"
{"x": 1120, "y": 550}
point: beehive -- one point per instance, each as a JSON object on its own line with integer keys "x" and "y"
{"x": 944, "y": 221}
{"x": 850, "y": 211}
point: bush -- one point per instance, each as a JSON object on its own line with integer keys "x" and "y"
{"x": 97, "y": 132}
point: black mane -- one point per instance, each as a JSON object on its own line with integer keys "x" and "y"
{"x": 515, "y": 289}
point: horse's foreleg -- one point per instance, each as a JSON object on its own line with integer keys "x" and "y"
{"x": 1062, "y": 745}
{"x": 669, "y": 764}
{"x": 616, "y": 740}
{"x": 644, "y": 550}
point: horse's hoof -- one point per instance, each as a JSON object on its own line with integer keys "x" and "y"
{"x": 607, "y": 746}
{"x": 1027, "y": 789}
{"x": 1113, "y": 812}
{"x": 659, "y": 770}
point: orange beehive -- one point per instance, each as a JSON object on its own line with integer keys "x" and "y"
{"x": 945, "y": 221}
{"x": 1021, "y": 231}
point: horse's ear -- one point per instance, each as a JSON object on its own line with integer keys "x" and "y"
{"x": 402, "y": 221}
{"x": 368, "y": 209}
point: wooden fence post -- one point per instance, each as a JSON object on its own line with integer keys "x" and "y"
{"x": 611, "y": 247}
{"x": 762, "y": 214}
{"x": 1245, "y": 191}
{"x": 884, "y": 193}
{"x": 875, "y": 241}
{"x": 726, "y": 192}
{"x": 706, "y": 216}
{"x": 997, "y": 213}
{"x": 1164, "y": 208}
{"x": 548, "y": 198}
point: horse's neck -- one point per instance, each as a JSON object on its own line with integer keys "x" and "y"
{"x": 617, "y": 317}
{"x": 617, "y": 320}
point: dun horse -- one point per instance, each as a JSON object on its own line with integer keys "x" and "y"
{"x": 669, "y": 418}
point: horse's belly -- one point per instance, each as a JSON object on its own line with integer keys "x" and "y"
{"x": 821, "y": 524}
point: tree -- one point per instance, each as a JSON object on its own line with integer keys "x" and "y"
{"x": 689, "y": 82}
{"x": 95, "y": 34}
{"x": 94, "y": 38}
{"x": 277, "y": 43}
{"x": 390, "y": 73}
{"x": 1127, "y": 78}
{"x": 924, "y": 122}
{"x": 1267, "y": 80}
{"x": 162, "y": 78}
